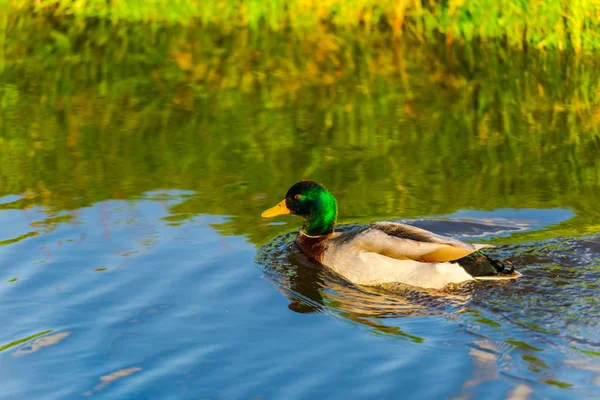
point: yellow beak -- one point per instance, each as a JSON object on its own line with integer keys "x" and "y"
{"x": 279, "y": 209}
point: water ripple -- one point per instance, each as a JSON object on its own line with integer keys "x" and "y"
{"x": 527, "y": 329}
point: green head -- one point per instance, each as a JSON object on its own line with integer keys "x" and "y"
{"x": 311, "y": 201}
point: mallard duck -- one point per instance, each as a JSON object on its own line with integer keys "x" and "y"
{"x": 382, "y": 252}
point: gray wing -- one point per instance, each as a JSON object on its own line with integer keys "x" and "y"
{"x": 404, "y": 242}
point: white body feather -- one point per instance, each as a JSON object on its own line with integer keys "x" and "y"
{"x": 368, "y": 268}
{"x": 392, "y": 252}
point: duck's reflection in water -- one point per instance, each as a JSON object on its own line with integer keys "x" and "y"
{"x": 311, "y": 287}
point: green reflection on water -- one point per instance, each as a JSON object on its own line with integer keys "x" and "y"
{"x": 591, "y": 353}
{"x": 28, "y": 338}
{"x": 521, "y": 344}
{"x": 90, "y": 112}
{"x": 560, "y": 384}
{"x": 18, "y": 238}
{"x": 488, "y": 322}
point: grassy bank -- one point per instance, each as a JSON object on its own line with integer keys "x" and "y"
{"x": 559, "y": 24}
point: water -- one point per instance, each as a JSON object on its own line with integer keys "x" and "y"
{"x": 135, "y": 264}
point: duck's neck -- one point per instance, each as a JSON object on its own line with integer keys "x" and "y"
{"x": 318, "y": 228}
{"x": 312, "y": 246}
{"x": 323, "y": 217}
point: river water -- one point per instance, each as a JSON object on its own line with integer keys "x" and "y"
{"x": 135, "y": 164}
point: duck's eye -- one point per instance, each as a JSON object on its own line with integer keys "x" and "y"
{"x": 297, "y": 196}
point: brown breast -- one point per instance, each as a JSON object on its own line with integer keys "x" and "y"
{"x": 312, "y": 246}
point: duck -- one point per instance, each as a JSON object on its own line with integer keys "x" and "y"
{"x": 383, "y": 252}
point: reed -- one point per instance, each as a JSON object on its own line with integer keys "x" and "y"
{"x": 90, "y": 113}
{"x": 558, "y": 24}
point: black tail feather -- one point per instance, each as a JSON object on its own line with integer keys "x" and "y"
{"x": 480, "y": 264}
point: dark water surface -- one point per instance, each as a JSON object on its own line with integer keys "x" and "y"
{"x": 135, "y": 163}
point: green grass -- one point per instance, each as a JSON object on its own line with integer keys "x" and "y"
{"x": 558, "y": 24}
